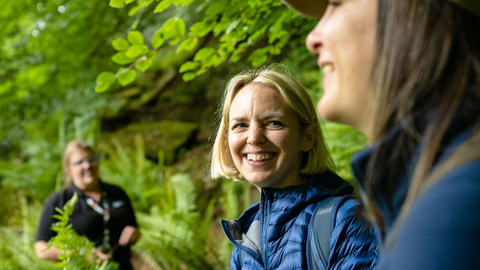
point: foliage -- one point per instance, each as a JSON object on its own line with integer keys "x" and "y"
{"x": 255, "y": 30}
{"x": 16, "y": 245}
{"x": 176, "y": 230}
{"x": 172, "y": 227}
{"x": 141, "y": 178}
{"x": 343, "y": 141}
{"x": 77, "y": 252}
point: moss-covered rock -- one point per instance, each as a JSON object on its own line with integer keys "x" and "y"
{"x": 166, "y": 136}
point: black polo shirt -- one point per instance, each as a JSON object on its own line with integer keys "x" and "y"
{"x": 85, "y": 221}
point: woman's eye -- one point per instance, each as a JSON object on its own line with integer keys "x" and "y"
{"x": 275, "y": 123}
{"x": 237, "y": 126}
{"x": 335, "y": 3}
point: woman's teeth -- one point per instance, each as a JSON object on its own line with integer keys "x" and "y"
{"x": 327, "y": 69}
{"x": 259, "y": 157}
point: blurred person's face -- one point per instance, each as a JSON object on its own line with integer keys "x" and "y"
{"x": 265, "y": 138}
{"x": 344, "y": 40}
{"x": 83, "y": 169}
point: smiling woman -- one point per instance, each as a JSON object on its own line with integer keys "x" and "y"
{"x": 412, "y": 85}
{"x": 270, "y": 136}
{"x": 103, "y": 213}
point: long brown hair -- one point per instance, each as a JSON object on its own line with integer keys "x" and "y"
{"x": 425, "y": 79}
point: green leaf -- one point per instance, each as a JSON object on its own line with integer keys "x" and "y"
{"x": 59, "y": 265}
{"x": 135, "y": 38}
{"x": 127, "y": 77}
{"x": 144, "y": 64}
{"x": 163, "y": 5}
{"x": 120, "y": 44}
{"x": 145, "y": 3}
{"x": 157, "y": 41}
{"x": 173, "y": 27}
{"x": 201, "y": 71}
{"x": 117, "y": 3}
{"x": 144, "y": 49}
{"x": 189, "y": 65}
{"x": 175, "y": 40}
{"x": 121, "y": 59}
{"x": 203, "y": 54}
{"x": 259, "y": 56}
{"x": 59, "y": 217}
{"x": 134, "y": 51}
{"x": 216, "y": 8}
{"x": 133, "y": 11}
{"x": 186, "y": 2}
{"x": 99, "y": 88}
{"x": 188, "y": 76}
{"x": 106, "y": 78}
{"x": 232, "y": 27}
{"x": 200, "y": 29}
{"x": 188, "y": 44}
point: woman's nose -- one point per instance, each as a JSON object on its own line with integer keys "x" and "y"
{"x": 256, "y": 136}
{"x": 314, "y": 42}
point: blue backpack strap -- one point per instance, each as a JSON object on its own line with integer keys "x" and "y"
{"x": 322, "y": 226}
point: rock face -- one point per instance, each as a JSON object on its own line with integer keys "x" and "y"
{"x": 166, "y": 136}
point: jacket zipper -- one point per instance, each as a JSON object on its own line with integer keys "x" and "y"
{"x": 265, "y": 221}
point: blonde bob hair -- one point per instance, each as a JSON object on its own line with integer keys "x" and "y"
{"x": 314, "y": 161}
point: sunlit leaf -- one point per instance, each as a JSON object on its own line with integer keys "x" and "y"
{"x": 144, "y": 64}
{"x": 200, "y": 29}
{"x": 189, "y": 65}
{"x": 127, "y": 77}
{"x": 117, "y": 3}
{"x": 134, "y": 10}
{"x": 216, "y": 8}
{"x": 106, "y": 78}
{"x": 135, "y": 37}
{"x": 134, "y": 51}
{"x": 157, "y": 41}
{"x": 121, "y": 59}
{"x": 188, "y": 76}
{"x": 188, "y": 44}
{"x": 120, "y": 44}
{"x": 232, "y": 26}
{"x": 99, "y": 88}
{"x": 173, "y": 27}
{"x": 163, "y": 5}
{"x": 203, "y": 54}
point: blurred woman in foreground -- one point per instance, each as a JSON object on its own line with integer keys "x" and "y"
{"x": 406, "y": 73}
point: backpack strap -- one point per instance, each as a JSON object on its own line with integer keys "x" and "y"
{"x": 322, "y": 226}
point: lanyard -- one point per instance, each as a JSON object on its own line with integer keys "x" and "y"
{"x": 105, "y": 212}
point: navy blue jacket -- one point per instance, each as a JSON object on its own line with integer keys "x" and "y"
{"x": 274, "y": 232}
{"x": 442, "y": 230}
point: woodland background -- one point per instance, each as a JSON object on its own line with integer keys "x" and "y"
{"x": 141, "y": 81}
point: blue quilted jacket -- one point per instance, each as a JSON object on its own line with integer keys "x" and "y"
{"x": 274, "y": 233}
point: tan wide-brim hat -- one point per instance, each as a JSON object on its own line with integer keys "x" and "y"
{"x": 316, "y": 8}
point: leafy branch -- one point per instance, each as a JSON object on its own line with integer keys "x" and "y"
{"x": 257, "y": 29}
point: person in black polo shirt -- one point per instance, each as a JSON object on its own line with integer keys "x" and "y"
{"x": 103, "y": 213}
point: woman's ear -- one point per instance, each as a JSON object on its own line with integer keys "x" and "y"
{"x": 310, "y": 137}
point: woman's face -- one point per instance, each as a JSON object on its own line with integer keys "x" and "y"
{"x": 344, "y": 40}
{"x": 265, "y": 138}
{"x": 83, "y": 169}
